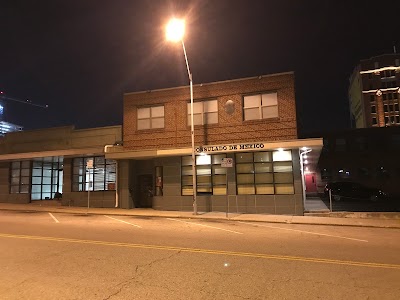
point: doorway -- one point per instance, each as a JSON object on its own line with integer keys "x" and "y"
{"x": 311, "y": 183}
{"x": 145, "y": 191}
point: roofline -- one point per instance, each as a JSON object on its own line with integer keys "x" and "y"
{"x": 212, "y": 83}
{"x": 387, "y": 54}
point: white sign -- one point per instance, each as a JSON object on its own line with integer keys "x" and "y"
{"x": 89, "y": 164}
{"x": 227, "y": 163}
{"x": 230, "y": 148}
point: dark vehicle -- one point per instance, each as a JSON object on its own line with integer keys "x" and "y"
{"x": 353, "y": 190}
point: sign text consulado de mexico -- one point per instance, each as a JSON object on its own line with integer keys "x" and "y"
{"x": 227, "y": 148}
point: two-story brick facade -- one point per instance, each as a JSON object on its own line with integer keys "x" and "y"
{"x": 250, "y": 121}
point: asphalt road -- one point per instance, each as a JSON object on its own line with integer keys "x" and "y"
{"x": 66, "y": 256}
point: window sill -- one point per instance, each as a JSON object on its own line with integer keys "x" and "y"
{"x": 269, "y": 120}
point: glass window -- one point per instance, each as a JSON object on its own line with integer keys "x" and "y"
{"x": 262, "y": 106}
{"x": 47, "y": 178}
{"x": 374, "y": 121}
{"x": 340, "y": 144}
{"x": 20, "y": 177}
{"x": 373, "y": 109}
{"x": 264, "y": 173}
{"x": 101, "y": 177}
{"x": 150, "y": 117}
{"x": 204, "y": 112}
{"x": 210, "y": 176}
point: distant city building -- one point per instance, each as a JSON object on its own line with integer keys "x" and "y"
{"x": 374, "y": 92}
{"x": 6, "y": 127}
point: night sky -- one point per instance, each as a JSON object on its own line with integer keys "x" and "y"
{"x": 80, "y": 56}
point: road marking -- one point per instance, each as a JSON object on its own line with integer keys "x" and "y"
{"x": 309, "y": 232}
{"x": 205, "y": 226}
{"x": 54, "y": 218}
{"x": 123, "y": 221}
{"x": 207, "y": 251}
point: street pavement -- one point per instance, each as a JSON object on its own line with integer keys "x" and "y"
{"x": 364, "y": 219}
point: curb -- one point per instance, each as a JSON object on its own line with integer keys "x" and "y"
{"x": 236, "y": 218}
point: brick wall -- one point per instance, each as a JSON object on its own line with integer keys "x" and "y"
{"x": 230, "y": 128}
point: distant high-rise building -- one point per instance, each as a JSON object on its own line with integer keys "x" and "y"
{"x": 6, "y": 126}
{"x": 374, "y": 92}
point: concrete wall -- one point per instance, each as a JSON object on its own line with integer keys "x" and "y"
{"x": 58, "y": 138}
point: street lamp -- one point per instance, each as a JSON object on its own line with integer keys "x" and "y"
{"x": 175, "y": 31}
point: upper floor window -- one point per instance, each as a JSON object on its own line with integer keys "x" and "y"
{"x": 261, "y": 106}
{"x": 340, "y": 144}
{"x": 150, "y": 117}
{"x": 204, "y": 112}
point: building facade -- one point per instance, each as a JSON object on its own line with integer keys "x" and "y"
{"x": 374, "y": 92}
{"x": 368, "y": 156}
{"x": 59, "y": 164}
{"x": 248, "y": 157}
{"x": 250, "y": 123}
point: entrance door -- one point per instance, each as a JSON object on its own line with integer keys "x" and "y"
{"x": 311, "y": 183}
{"x": 145, "y": 190}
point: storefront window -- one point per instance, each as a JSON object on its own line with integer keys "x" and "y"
{"x": 264, "y": 173}
{"x": 47, "y": 178}
{"x": 99, "y": 178}
{"x": 20, "y": 177}
{"x": 210, "y": 176}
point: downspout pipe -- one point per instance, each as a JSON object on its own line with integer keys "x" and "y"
{"x": 303, "y": 183}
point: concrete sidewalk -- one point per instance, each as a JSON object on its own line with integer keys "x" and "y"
{"x": 379, "y": 220}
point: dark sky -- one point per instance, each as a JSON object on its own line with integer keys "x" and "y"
{"x": 80, "y": 56}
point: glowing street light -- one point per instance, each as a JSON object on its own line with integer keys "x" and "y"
{"x": 175, "y": 31}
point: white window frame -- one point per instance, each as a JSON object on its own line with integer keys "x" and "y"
{"x": 152, "y": 115}
{"x": 260, "y": 104}
{"x": 201, "y": 112}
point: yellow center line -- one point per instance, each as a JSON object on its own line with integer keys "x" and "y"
{"x": 208, "y": 251}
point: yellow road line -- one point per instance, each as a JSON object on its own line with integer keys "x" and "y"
{"x": 207, "y": 251}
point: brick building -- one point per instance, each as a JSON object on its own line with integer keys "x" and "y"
{"x": 374, "y": 92}
{"x": 251, "y": 121}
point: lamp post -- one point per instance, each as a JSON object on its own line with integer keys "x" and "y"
{"x": 174, "y": 32}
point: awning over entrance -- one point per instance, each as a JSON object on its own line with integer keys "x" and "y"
{"x": 118, "y": 152}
